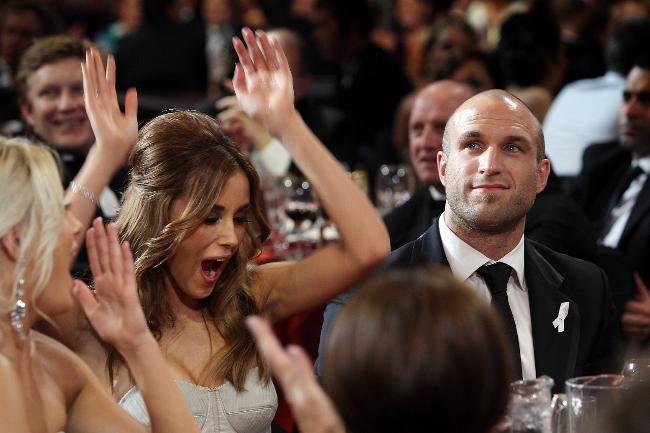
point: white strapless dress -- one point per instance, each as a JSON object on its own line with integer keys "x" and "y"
{"x": 221, "y": 409}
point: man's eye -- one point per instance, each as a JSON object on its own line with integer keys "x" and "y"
{"x": 512, "y": 148}
{"x": 472, "y": 145}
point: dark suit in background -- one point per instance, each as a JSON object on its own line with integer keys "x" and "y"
{"x": 604, "y": 164}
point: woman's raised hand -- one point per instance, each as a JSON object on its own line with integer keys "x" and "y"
{"x": 114, "y": 311}
{"x": 262, "y": 79}
{"x": 115, "y": 132}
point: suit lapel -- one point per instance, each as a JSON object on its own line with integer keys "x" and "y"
{"x": 640, "y": 209}
{"x": 555, "y": 352}
{"x": 428, "y": 247}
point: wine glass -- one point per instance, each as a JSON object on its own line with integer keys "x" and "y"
{"x": 636, "y": 370}
{"x": 394, "y": 185}
{"x": 303, "y": 211}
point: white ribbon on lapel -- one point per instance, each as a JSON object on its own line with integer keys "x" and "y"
{"x": 561, "y": 315}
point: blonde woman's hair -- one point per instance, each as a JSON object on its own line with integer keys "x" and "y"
{"x": 178, "y": 154}
{"x": 31, "y": 203}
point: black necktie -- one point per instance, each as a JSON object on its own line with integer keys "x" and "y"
{"x": 496, "y": 277}
{"x": 632, "y": 173}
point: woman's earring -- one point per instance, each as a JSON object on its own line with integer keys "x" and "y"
{"x": 19, "y": 311}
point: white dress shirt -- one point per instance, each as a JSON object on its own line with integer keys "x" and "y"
{"x": 273, "y": 159}
{"x": 622, "y": 211}
{"x": 465, "y": 260}
{"x": 583, "y": 113}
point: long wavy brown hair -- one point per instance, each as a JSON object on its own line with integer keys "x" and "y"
{"x": 186, "y": 153}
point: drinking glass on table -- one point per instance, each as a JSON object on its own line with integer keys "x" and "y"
{"x": 636, "y": 370}
{"x": 394, "y": 185}
{"x": 303, "y": 217}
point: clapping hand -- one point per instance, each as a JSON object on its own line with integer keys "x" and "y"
{"x": 115, "y": 132}
{"x": 115, "y": 310}
{"x": 262, "y": 80}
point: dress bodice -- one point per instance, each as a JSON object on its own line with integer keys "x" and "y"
{"x": 221, "y": 409}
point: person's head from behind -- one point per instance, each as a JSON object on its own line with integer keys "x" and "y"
{"x": 402, "y": 357}
{"x": 634, "y": 115}
{"x": 341, "y": 27}
{"x": 22, "y": 21}
{"x": 530, "y": 50}
{"x": 431, "y": 110}
{"x": 193, "y": 219}
{"x": 50, "y": 92}
{"x": 492, "y": 164}
{"x": 451, "y": 38}
{"x": 476, "y": 68}
{"x": 37, "y": 233}
{"x": 625, "y": 41}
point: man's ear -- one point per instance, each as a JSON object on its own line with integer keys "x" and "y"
{"x": 543, "y": 171}
{"x": 9, "y": 244}
{"x": 26, "y": 112}
{"x": 442, "y": 166}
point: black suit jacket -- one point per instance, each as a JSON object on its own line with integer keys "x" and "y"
{"x": 412, "y": 218}
{"x": 590, "y": 334}
{"x": 603, "y": 165}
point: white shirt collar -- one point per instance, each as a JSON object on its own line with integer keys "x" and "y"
{"x": 644, "y": 163}
{"x": 465, "y": 260}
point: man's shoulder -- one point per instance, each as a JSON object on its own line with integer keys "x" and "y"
{"x": 607, "y": 151}
{"x": 580, "y": 278}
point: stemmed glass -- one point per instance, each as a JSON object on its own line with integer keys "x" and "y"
{"x": 636, "y": 370}
{"x": 302, "y": 211}
{"x": 394, "y": 185}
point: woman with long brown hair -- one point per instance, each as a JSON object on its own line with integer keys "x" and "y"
{"x": 193, "y": 217}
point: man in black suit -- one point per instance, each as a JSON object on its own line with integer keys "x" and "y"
{"x": 432, "y": 108}
{"x": 557, "y": 310}
{"x": 614, "y": 191}
{"x": 554, "y": 220}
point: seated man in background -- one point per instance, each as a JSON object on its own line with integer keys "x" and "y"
{"x": 614, "y": 191}
{"x": 51, "y": 98}
{"x": 557, "y": 310}
{"x": 554, "y": 220}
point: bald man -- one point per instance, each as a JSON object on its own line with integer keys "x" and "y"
{"x": 557, "y": 310}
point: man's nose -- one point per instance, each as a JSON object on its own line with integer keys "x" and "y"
{"x": 490, "y": 161}
{"x": 70, "y": 100}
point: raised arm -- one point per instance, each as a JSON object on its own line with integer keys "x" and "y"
{"x": 264, "y": 88}
{"x": 115, "y": 134}
{"x": 115, "y": 313}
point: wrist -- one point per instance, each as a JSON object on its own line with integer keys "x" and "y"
{"x": 135, "y": 348}
{"x": 282, "y": 120}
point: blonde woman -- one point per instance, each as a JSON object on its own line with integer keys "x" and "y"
{"x": 192, "y": 215}
{"x": 47, "y": 387}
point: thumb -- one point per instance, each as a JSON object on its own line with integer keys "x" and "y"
{"x": 641, "y": 290}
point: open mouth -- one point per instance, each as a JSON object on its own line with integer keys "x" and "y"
{"x": 211, "y": 269}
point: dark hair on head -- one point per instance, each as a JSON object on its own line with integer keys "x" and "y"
{"x": 186, "y": 153}
{"x": 447, "y": 70}
{"x": 402, "y": 357}
{"x": 50, "y": 21}
{"x": 452, "y": 20}
{"x": 529, "y": 42}
{"x": 351, "y": 15}
{"x": 44, "y": 52}
{"x": 625, "y": 42}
